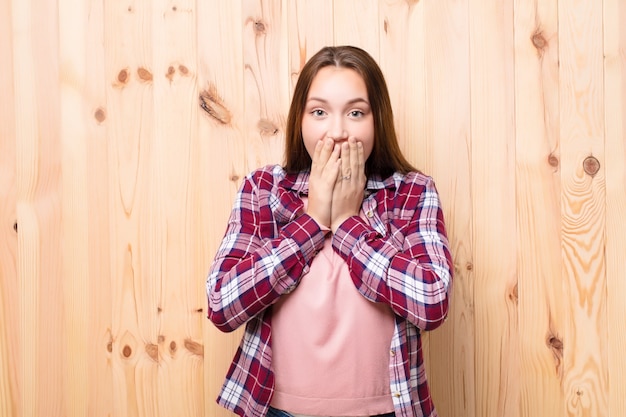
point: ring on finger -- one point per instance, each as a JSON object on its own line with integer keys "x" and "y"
{"x": 346, "y": 177}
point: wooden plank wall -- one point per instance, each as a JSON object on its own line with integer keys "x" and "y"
{"x": 127, "y": 126}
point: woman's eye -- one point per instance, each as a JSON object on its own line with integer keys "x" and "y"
{"x": 356, "y": 113}
{"x": 318, "y": 112}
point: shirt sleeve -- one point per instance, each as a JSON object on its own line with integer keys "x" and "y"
{"x": 411, "y": 271}
{"x": 252, "y": 266}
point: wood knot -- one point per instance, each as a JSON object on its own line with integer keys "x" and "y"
{"x": 144, "y": 74}
{"x": 591, "y": 165}
{"x": 514, "y": 294}
{"x": 386, "y": 25}
{"x": 234, "y": 178}
{"x": 110, "y": 346}
{"x": 170, "y": 73}
{"x": 214, "y": 106}
{"x": 555, "y": 344}
{"x": 539, "y": 41}
{"x": 100, "y": 115}
{"x": 469, "y": 266}
{"x": 123, "y": 76}
{"x": 153, "y": 351}
{"x": 553, "y": 160}
{"x": 15, "y": 226}
{"x": 173, "y": 347}
{"x": 127, "y": 351}
{"x": 259, "y": 27}
{"x": 161, "y": 338}
{"x": 267, "y": 128}
{"x": 194, "y": 347}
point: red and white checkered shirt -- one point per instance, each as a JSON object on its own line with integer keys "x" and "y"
{"x": 397, "y": 252}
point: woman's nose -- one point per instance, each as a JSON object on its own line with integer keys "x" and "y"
{"x": 337, "y": 130}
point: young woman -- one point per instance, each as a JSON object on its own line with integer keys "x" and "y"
{"x": 335, "y": 261}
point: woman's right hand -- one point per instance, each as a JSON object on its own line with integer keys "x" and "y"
{"x": 324, "y": 171}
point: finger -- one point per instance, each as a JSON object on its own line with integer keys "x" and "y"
{"x": 360, "y": 158}
{"x": 326, "y": 151}
{"x": 346, "y": 162}
{"x": 335, "y": 162}
{"x": 316, "y": 153}
{"x": 355, "y": 161}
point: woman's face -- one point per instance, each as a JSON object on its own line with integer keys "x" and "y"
{"x": 337, "y": 107}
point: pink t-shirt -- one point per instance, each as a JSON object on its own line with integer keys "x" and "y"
{"x": 330, "y": 345}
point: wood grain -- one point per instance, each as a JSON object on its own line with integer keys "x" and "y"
{"x": 541, "y": 321}
{"x": 358, "y": 23}
{"x": 38, "y": 207}
{"x": 221, "y": 167}
{"x": 266, "y": 80}
{"x": 126, "y": 129}
{"x": 177, "y": 349}
{"x": 446, "y": 143}
{"x": 493, "y": 209}
{"x": 311, "y": 30}
{"x": 136, "y": 218}
{"x": 95, "y": 110}
{"x": 614, "y": 41}
{"x": 402, "y": 61}
{"x": 10, "y": 306}
{"x": 585, "y": 380}
{"x": 74, "y": 227}
{"x": 27, "y": 303}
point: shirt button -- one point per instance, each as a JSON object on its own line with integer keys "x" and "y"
{"x": 397, "y": 395}
{"x": 392, "y": 352}
{"x": 369, "y": 213}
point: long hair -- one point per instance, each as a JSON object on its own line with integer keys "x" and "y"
{"x": 386, "y": 157}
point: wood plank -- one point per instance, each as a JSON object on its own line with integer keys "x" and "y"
{"x": 310, "y": 28}
{"x": 266, "y": 80}
{"x": 358, "y": 23}
{"x": 74, "y": 227}
{"x": 583, "y": 204}
{"x": 446, "y": 143}
{"x": 28, "y": 229}
{"x": 178, "y": 347}
{"x": 38, "y": 161}
{"x": 10, "y": 346}
{"x": 493, "y": 208}
{"x": 541, "y": 321}
{"x": 133, "y": 207}
{"x": 121, "y": 188}
{"x": 402, "y": 62}
{"x": 100, "y": 307}
{"x": 614, "y": 41}
{"x": 220, "y": 164}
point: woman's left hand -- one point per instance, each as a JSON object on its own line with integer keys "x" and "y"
{"x": 350, "y": 187}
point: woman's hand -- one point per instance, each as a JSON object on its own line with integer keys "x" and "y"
{"x": 325, "y": 169}
{"x": 349, "y": 189}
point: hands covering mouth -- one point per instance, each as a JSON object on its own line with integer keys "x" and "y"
{"x": 337, "y": 181}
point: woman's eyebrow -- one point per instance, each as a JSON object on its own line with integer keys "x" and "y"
{"x": 353, "y": 101}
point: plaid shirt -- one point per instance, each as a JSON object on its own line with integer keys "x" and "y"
{"x": 397, "y": 252}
